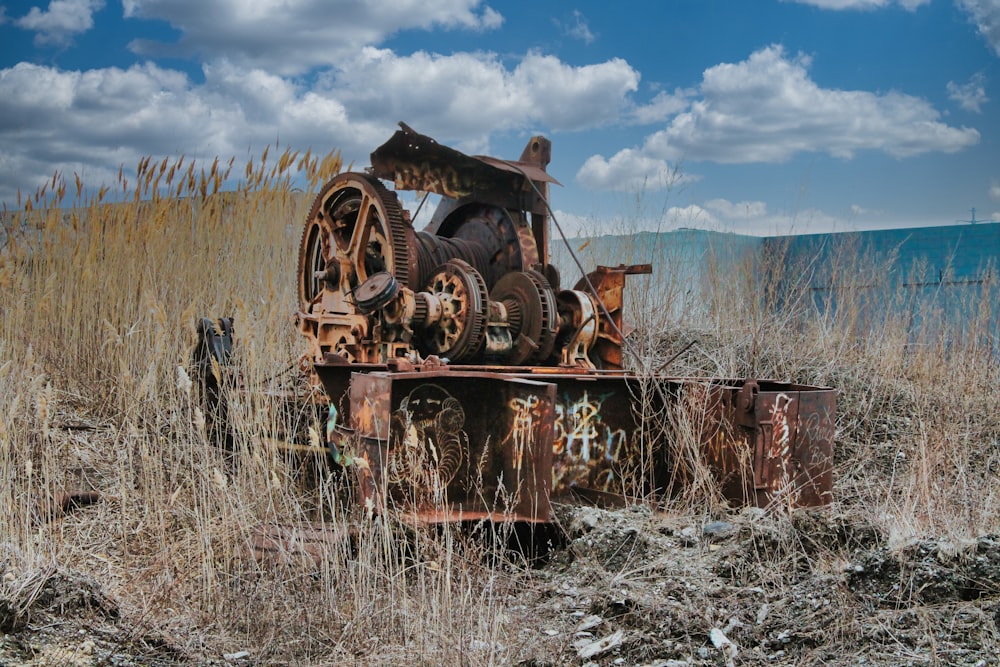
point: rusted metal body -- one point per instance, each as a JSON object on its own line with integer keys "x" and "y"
{"x": 459, "y": 443}
{"x": 464, "y": 382}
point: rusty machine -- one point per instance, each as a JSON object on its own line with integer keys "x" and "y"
{"x": 465, "y": 381}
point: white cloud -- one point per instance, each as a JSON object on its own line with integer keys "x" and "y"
{"x": 578, "y": 28}
{"x": 986, "y": 15}
{"x": 737, "y": 210}
{"x": 490, "y": 20}
{"x": 471, "y": 95}
{"x": 629, "y": 171}
{"x": 96, "y": 120}
{"x": 767, "y": 109}
{"x": 62, "y": 20}
{"x": 753, "y": 217}
{"x": 910, "y": 5}
{"x": 293, "y": 36}
{"x": 970, "y": 96}
{"x": 995, "y": 190}
{"x": 692, "y": 216}
{"x": 719, "y": 215}
{"x": 663, "y": 106}
{"x": 633, "y": 222}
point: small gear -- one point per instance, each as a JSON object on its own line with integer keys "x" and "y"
{"x": 460, "y": 331}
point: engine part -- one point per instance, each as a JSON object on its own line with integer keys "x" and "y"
{"x": 464, "y": 383}
{"x": 456, "y": 333}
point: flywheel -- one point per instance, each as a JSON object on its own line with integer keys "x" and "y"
{"x": 354, "y": 230}
{"x": 531, "y": 306}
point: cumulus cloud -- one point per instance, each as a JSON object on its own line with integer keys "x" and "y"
{"x": 910, "y": 5}
{"x": 60, "y": 22}
{"x": 767, "y": 109}
{"x": 98, "y": 119}
{"x": 471, "y": 95}
{"x": 91, "y": 122}
{"x": 692, "y": 215}
{"x": 970, "y": 96}
{"x": 986, "y": 15}
{"x": 662, "y": 107}
{"x": 293, "y": 36}
{"x": 630, "y": 171}
{"x": 995, "y": 191}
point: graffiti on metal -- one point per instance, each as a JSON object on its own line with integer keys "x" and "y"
{"x": 525, "y": 414}
{"x": 585, "y": 446}
{"x": 428, "y": 440}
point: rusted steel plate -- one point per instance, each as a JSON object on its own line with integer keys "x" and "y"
{"x": 453, "y": 445}
{"x": 770, "y": 442}
{"x": 457, "y": 444}
{"x": 812, "y": 458}
{"x": 607, "y": 284}
{"x": 415, "y": 161}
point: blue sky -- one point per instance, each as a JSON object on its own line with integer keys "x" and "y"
{"x": 751, "y": 116}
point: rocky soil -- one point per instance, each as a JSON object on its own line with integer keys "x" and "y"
{"x": 637, "y": 587}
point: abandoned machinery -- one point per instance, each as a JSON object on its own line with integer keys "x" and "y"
{"x": 465, "y": 382}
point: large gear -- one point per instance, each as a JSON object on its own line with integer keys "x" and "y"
{"x": 354, "y": 221}
{"x": 355, "y": 230}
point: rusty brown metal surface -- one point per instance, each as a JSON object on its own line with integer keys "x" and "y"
{"x": 415, "y": 161}
{"x": 771, "y": 443}
{"x": 464, "y": 383}
{"x": 607, "y": 284}
{"x": 460, "y": 443}
{"x": 453, "y": 445}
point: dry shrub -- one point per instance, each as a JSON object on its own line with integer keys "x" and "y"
{"x": 913, "y": 357}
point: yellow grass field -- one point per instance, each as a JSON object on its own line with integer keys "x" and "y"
{"x": 99, "y": 295}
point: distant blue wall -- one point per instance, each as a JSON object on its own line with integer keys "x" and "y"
{"x": 922, "y": 275}
{"x": 927, "y": 274}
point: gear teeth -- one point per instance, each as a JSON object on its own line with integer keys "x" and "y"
{"x": 478, "y": 336}
{"x": 399, "y": 231}
{"x": 469, "y": 342}
{"x": 547, "y": 340}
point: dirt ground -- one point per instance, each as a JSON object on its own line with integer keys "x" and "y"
{"x": 637, "y": 587}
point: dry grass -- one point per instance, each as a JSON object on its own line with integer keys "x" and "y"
{"x": 98, "y": 312}
{"x": 98, "y": 303}
{"x": 918, "y": 431}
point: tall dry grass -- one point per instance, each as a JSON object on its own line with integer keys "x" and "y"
{"x": 914, "y": 359}
{"x": 99, "y": 293}
{"x": 100, "y": 296}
